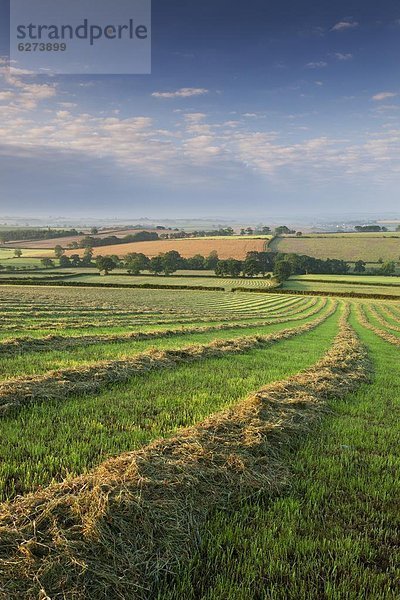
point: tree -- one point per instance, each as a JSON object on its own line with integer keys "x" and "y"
{"x": 359, "y": 266}
{"x": 283, "y": 229}
{"x": 94, "y": 231}
{"x": 75, "y": 260}
{"x": 249, "y": 231}
{"x": 47, "y": 263}
{"x": 17, "y": 253}
{"x": 282, "y": 270}
{"x": 105, "y": 264}
{"x": 196, "y": 262}
{"x": 212, "y": 260}
{"x": 64, "y": 262}
{"x": 136, "y": 262}
{"x": 58, "y": 251}
{"x": 231, "y": 267}
{"x": 299, "y": 233}
{"x": 388, "y": 268}
{"x": 171, "y": 261}
{"x": 251, "y": 265}
{"x": 266, "y": 230}
{"x": 87, "y": 257}
{"x": 156, "y": 265}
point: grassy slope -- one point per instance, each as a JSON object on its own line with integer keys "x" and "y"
{"x": 52, "y": 440}
{"x": 335, "y": 534}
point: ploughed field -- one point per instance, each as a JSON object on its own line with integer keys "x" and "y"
{"x": 187, "y": 444}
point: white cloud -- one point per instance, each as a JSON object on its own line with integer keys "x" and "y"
{"x": 384, "y": 96}
{"x": 320, "y": 64}
{"x": 341, "y": 56}
{"x": 345, "y": 25}
{"x": 181, "y": 93}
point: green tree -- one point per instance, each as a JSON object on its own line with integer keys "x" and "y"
{"x": 388, "y": 268}
{"x": 64, "y": 262}
{"x": 359, "y": 266}
{"x": 87, "y": 257}
{"x": 47, "y": 263}
{"x": 282, "y": 270}
{"x": 171, "y": 262}
{"x": 58, "y": 251}
{"x": 94, "y": 231}
{"x": 105, "y": 264}
{"x": 156, "y": 265}
{"x": 75, "y": 260}
{"x": 136, "y": 262}
{"x": 17, "y": 253}
{"x": 212, "y": 260}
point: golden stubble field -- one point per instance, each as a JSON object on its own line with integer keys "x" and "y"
{"x": 226, "y": 248}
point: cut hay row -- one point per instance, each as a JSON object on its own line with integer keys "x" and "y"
{"x": 57, "y": 385}
{"x": 377, "y": 315}
{"x": 55, "y": 342}
{"x": 76, "y": 323}
{"x": 385, "y": 335}
{"x": 119, "y": 530}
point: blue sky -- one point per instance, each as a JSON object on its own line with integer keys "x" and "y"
{"x": 252, "y": 109}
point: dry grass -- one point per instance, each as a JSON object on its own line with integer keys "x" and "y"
{"x": 226, "y": 248}
{"x": 56, "y": 385}
{"x": 385, "y": 335}
{"x": 116, "y": 532}
{"x": 12, "y": 346}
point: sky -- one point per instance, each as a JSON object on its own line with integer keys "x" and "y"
{"x": 252, "y": 109}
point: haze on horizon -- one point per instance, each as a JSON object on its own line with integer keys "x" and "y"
{"x": 253, "y": 109}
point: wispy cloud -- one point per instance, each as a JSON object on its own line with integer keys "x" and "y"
{"x": 341, "y": 56}
{"x": 181, "y": 93}
{"x": 384, "y": 96}
{"x": 320, "y": 64}
{"x": 345, "y": 25}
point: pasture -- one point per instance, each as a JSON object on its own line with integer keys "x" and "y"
{"x": 349, "y": 247}
{"x": 163, "y": 444}
{"x": 341, "y": 284}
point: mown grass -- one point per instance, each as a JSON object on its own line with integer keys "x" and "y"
{"x": 52, "y": 440}
{"x": 335, "y": 534}
{"x": 33, "y": 363}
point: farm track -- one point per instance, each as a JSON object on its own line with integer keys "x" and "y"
{"x": 53, "y": 342}
{"x": 119, "y": 530}
{"x": 57, "y": 385}
{"x": 385, "y": 335}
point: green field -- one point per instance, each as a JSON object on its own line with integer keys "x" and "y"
{"x": 356, "y": 279}
{"x": 349, "y": 247}
{"x": 194, "y": 444}
{"x": 336, "y": 286}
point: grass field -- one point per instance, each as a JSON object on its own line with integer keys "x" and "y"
{"x": 161, "y": 444}
{"x": 356, "y": 279}
{"x": 350, "y": 247}
{"x": 338, "y": 286}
